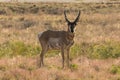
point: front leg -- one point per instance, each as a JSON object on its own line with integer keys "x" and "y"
{"x": 62, "y": 53}
{"x": 68, "y": 57}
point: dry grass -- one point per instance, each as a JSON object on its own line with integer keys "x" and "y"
{"x": 25, "y": 68}
{"x": 23, "y": 21}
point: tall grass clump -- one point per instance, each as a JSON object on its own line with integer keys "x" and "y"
{"x": 18, "y": 48}
{"x": 115, "y": 69}
{"x": 102, "y": 51}
{"x": 99, "y": 50}
{"x": 75, "y": 51}
{"x": 105, "y": 50}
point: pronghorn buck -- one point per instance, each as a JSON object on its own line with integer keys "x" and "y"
{"x": 58, "y": 40}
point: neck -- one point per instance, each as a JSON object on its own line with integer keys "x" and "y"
{"x": 69, "y": 31}
{"x": 70, "y": 35}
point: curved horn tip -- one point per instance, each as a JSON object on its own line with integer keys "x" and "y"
{"x": 79, "y": 11}
{"x": 77, "y": 18}
{"x": 66, "y": 16}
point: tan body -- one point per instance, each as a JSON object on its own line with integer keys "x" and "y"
{"x": 58, "y": 40}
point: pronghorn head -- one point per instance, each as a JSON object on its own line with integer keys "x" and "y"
{"x": 71, "y": 25}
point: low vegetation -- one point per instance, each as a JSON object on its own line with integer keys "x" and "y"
{"x": 94, "y": 56}
{"x": 12, "y": 49}
{"x": 102, "y": 50}
{"x": 115, "y": 69}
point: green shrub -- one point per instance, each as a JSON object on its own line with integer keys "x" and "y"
{"x": 74, "y": 67}
{"x": 115, "y": 69}
{"x": 75, "y": 51}
{"x": 102, "y": 51}
{"x": 116, "y": 50}
{"x": 18, "y": 48}
{"x": 52, "y": 53}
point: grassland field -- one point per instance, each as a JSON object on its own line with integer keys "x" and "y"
{"x": 94, "y": 56}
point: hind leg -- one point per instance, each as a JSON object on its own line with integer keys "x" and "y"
{"x": 44, "y": 50}
{"x": 44, "y": 46}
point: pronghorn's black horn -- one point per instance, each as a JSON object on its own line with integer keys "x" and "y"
{"x": 66, "y": 17}
{"x": 77, "y": 18}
